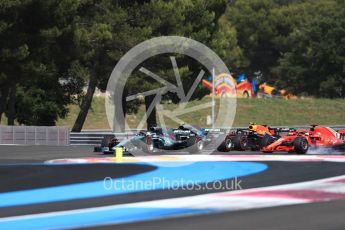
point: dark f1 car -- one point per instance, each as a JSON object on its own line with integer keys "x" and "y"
{"x": 156, "y": 139}
{"x": 253, "y": 138}
{"x": 141, "y": 140}
{"x": 185, "y": 136}
{"x": 299, "y": 141}
{"x": 107, "y": 144}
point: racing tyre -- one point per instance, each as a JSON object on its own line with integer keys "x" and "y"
{"x": 148, "y": 145}
{"x": 266, "y": 140}
{"x": 97, "y": 149}
{"x": 225, "y": 146}
{"x": 106, "y": 140}
{"x": 197, "y": 147}
{"x": 240, "y": 142}
{"x": 301, "y": 145}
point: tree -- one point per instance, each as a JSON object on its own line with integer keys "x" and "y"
{"x": 254, "y": 33}
{"x": 135, "y": 22}
{"x": 101, "y": 38}
{"x": 31, "y": 87}
{"x": 199, "y": 20}
{"x": 315, "y": 63}
{"x": 13, "y": 53}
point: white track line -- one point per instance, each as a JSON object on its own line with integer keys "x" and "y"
{"x": 196, "y": 158}
{"x": 227, "y": 201}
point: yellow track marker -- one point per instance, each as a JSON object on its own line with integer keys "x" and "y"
{"x": 118, "y": 154}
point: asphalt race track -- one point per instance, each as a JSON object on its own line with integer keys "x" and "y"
{"x": 30, "y": 186}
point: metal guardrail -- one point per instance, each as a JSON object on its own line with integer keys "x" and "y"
{"x": 94, "y": 137}
{"x": 47, "y": 135}
{"x": 34, "y": 135}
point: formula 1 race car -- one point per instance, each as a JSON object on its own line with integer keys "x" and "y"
{"x": 157, "y": 139}
{"x": 183, "y": 137}
{"x": 141, "y": 140}
{"x": 253, "y": 138}
{"x": 299, "y": 141}
{"x": 107, "y": 144}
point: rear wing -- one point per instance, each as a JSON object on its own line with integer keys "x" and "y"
{"x": 212, "y": 130}
{"x": 283, "y": 130}
{"x": 215, "y": 131}
{"x": 342, "y": 131}
{"x": 342, "y": 134}
{"x": 182, "y": 131}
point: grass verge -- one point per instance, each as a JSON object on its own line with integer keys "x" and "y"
{"x": 274, "y": 112}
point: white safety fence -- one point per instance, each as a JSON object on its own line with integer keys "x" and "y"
{"x": 34, "y": 135}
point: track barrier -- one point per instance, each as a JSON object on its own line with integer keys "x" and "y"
{"x": 34, "y": 135}
{"x": 94, "y": 137}
{"x": 61, "y": 136}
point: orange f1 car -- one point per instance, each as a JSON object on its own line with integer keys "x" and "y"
{"x": 299, "y": 141}
{"x": 252, "y": 138}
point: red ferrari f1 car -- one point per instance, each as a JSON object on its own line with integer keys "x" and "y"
{"x": 299, "y": 141}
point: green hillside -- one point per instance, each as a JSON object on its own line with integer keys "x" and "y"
{"x": 267, "y": 111}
